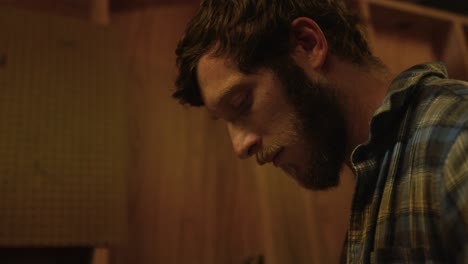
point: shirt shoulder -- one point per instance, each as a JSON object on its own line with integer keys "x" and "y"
{"x": 439, "y": 116}
{"x": 440, "y": 102}
{"x": 438, "y": 147}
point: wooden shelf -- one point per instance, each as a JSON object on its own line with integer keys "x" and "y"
{"x": 403, "y": 35}
{"x": 417, "y": 10}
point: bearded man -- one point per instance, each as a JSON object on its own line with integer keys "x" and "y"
{"x": 297, "y": 85}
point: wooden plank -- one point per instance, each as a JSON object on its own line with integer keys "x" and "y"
{"x": 73, "y": 8}
{"x": 191, "y": 201}
{"x": 99, "y": 12}
{"x": 464, "y": 41}
{"x": 419, "y": 10}
{"x": 402, "y": 39}
{"x": 127, "y": 5}
{"x": 100, "y": 256}
{"x": 454, "y": 53}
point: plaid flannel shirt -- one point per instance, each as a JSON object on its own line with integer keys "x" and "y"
{"x": 411, "y": 195}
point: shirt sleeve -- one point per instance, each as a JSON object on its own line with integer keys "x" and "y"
{"x": 454, "y": 202}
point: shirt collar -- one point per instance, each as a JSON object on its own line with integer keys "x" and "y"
{"x": 388, "y": 123}
{"x": 390, "y": 113}
{"x": 401, "y": 87}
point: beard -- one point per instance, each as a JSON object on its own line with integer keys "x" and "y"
{"x": 319, "y": 127}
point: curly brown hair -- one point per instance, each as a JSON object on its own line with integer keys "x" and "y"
{"x": 255, "y": 33}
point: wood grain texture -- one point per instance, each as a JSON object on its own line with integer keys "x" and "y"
{"x": 191, "y": 202}
{"x": 301, "y": 226}
{"x": 403, "y": 35}
{"x": 464, "y": 44}
{"x": 454, "y": 53}
{"x": 416, "y": 9}
{"x": 73, "y": 8}
{"x": 99, "y": 12}
{"x": 121, "y": 5}
{"x": 465, "y": 30}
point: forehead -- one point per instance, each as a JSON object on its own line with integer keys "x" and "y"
{"x": 215, "y": 76}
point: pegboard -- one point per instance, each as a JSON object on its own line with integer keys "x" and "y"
{"x": 63, "y": 132}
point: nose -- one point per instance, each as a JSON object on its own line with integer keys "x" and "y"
{"x": 245, "y": 143}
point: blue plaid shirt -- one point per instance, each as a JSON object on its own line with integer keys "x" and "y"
{"x": 411, "y": 196}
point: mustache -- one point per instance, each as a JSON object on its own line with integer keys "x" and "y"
{"x": 289, "y": 136}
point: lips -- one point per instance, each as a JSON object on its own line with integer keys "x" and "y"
{"x": 264, "y": 158}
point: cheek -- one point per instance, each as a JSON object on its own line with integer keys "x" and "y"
{"x": 276, "y": 123}
{"x": 283, "y": 130}
{"x": 273, "y": 115}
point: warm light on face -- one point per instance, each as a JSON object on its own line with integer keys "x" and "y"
{"x": 262, "y": 116}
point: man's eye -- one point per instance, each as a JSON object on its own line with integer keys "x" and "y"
{"x": 244, "y": 105}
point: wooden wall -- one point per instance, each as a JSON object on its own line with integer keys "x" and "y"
{"x": 191, "y": 200}
{"x": 71, "y": 8}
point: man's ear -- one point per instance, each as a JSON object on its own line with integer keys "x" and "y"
{"x": 307, "y": 38}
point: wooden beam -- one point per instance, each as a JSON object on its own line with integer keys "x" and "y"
{"x": 99, "y": 12}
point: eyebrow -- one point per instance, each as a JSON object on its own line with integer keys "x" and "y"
{"x": 228, "y": 92}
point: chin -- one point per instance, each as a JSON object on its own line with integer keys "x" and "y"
{"x": 314, "y": 179}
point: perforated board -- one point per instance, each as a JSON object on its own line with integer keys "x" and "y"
{"x": 63, "y": 132}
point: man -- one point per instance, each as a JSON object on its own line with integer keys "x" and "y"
{"x": 298, "y": 86}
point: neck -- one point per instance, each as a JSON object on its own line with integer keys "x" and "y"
{"x": 360, "y": 92}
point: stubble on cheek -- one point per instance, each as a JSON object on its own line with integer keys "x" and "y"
{"x": 281, "y": 133}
